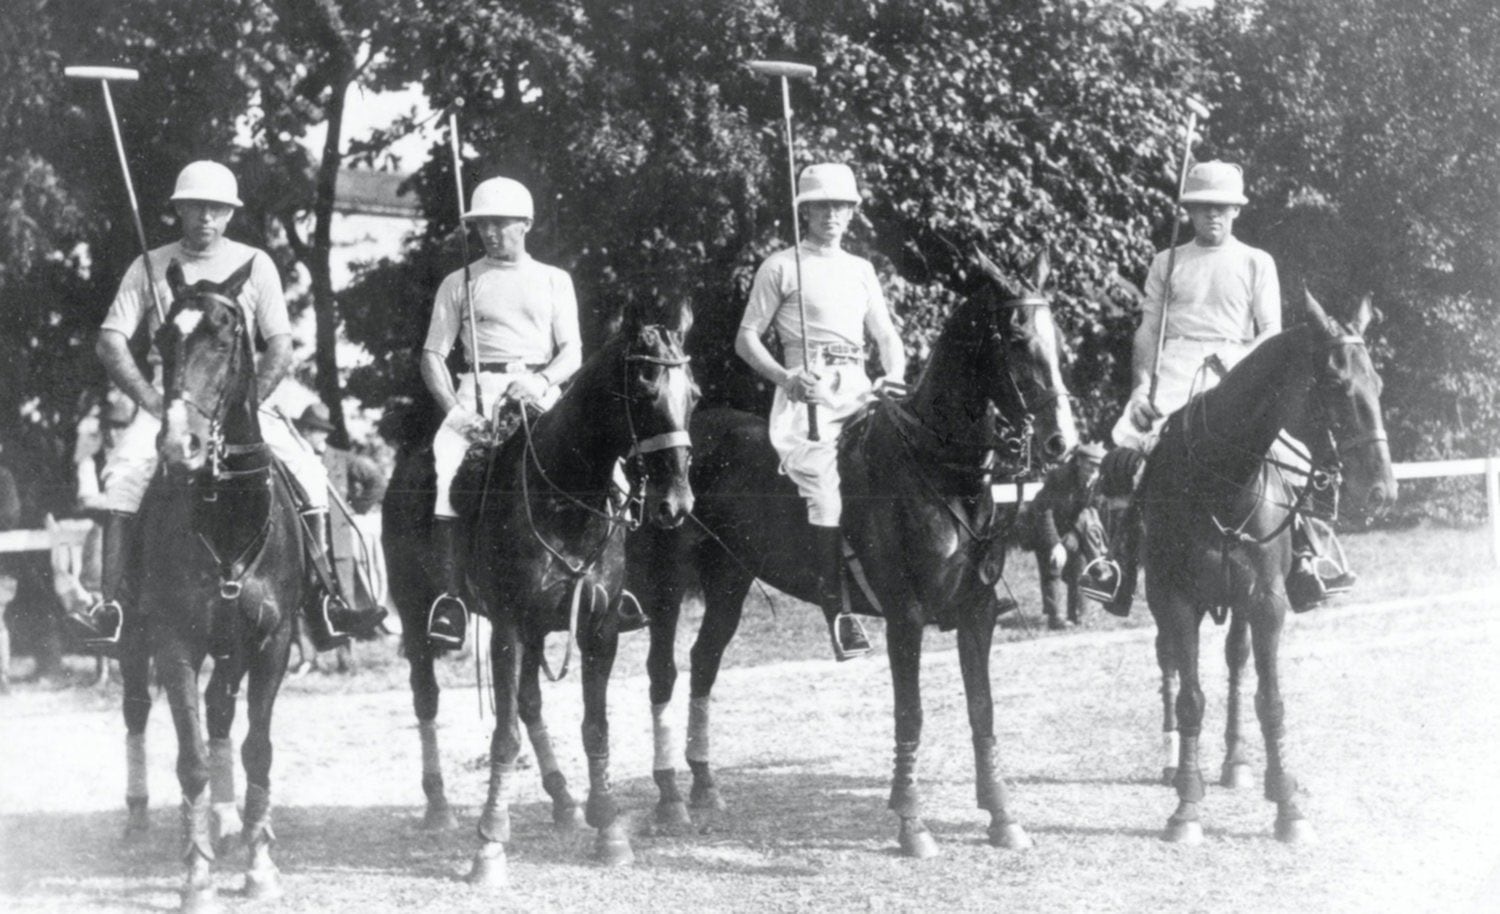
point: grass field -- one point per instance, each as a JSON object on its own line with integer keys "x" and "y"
{"x": 1393, "y": 709}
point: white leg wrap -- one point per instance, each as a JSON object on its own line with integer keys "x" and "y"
{"x": 432, "y": 761}
{"x": 221, "y": 769}
{"x": 664, "y": 737}
{"x": 697, "y": 738}
{"x": 135, "y": 765}
{"x": 541, "y": 746}
{"x": 1170, "y": 747}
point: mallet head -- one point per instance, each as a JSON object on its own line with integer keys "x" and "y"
{"x": 108, "y": 74}
{"x": 1196, "y": 106}
{"x": 783, "y": 68}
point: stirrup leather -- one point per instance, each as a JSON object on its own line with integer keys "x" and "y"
{"x": 446, "y": 638}
{"x": 1100, "y": 580}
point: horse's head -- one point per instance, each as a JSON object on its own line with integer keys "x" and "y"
{"x": 207, "y": 365}
{"x": 1344, "y": 420}
{"x": 659, "y": 398}
{"x": 1021, "y": 357}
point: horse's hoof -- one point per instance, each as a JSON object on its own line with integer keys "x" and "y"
{"x": 263, "y": 885}
{"x": 672, "y": 817}
{"x": 1236, "y": 776}
{"x": 1295, "y": 831}
{"x": 1010, "y": 836}
{"x": 612, "y": 846}
{"x": 916, "y": 841}
{"x": 438, "y": 817}
{"x": 489, "y": 870}
{"x": 224, "y": 826}
{"x": 1168, "y": 775}
{"x": 708, "y": 800}
{"x": 200, "y": 901}
{"x": 567, "y": 816}
{"x": 1183, "y": 832}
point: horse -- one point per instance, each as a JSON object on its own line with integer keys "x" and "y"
{"x": 547, "y": 525}
{"x": 1218, "y": 514}
{"x": 220, "y": 570}
{"x": 919, "y": 515}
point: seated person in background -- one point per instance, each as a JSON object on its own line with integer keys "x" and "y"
{"x": 1062, "y": 527}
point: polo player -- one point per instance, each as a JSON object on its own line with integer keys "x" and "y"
{"x": 1225, "y": 299}
{"x": 843, "y": 300}
{"x": 526, "y": 330}
{"x": 205, "y": 197}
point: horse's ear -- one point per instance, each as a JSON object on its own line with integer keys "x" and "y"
{"x": 1315, "y": 312}
{"x": 1041, "y": 270}
{"x": 175, "y": 280}
{"x": 995, "y": 274}
{"x": 236, "y": 281}
{"x": 1365, "y": 315}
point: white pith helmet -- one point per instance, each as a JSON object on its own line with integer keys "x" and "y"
{"x": 500, "y": 197}
{"x": 209, "y": 182}
{"x": 829, "y": 181}
{"x": 1215, "y": 182}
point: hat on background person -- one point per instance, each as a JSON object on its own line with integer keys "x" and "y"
{"x": 314, "y": 419}
{"x": 827, "y": 182}
{"x": 1215, "y": 182}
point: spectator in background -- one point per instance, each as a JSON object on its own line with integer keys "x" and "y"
{"x": 1061, "y": 525}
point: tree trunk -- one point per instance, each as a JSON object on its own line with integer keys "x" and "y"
{"x": 325, "y": 305}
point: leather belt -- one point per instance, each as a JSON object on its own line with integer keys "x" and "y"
{"x": 838, "y": 354}
{"x": 510, "y": 367}
{"x": 1209, "y": 339}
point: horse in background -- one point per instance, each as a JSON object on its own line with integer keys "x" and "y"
{"x": 219, "y": 569}
{"x": 919, "y": 515}
{"x": 1218, "y": 515}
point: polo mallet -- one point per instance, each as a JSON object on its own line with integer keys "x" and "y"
{"x": 1196, "y": 110}
{"x": 789, "y": 71}
{"x": 463, "y": 242}
{"x": 123, "y": 74}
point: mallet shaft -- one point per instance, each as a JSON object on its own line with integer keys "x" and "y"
{"x": 791, "y": 168}
{"x": 135, "y": 209}
{"x": 463, "y": 243}
{"x": 1161, "y": 331}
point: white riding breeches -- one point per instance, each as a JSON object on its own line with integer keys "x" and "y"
{"x": 130, "y": 466}
{"x": 813, "y": 465}
{"x": 449, "y": 444}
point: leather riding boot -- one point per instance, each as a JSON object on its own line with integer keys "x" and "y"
{"x": 844, "y": 628}
{"x": 100, "y": 624}
{"x": 332, "y": 620}
{"x": 448, "y": 617}
{"x": 1118, "y": 576}
{"x": 1306, "y": 586}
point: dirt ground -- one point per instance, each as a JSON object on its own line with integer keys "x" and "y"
{"x": 1393, "y": 710}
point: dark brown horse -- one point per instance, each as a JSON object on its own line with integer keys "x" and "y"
{"x": 548, "y": 555}
{"x": 219, "y": 570}
{"x": 1218, "y": 513}
{"x": 918, "y": 512}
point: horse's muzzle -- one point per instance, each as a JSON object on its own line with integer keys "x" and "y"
{"x": 669, "y": 509}
{"x": 180, "y": 445}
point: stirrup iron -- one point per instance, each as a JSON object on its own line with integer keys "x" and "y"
{"x": 1096, "y": 569}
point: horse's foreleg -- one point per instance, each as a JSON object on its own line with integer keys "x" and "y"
{"x": 565, "y": 810}
{"x": 1179, "y": 619}
{"x": 1170, "y": 742}
{"x": 489, "y": 869}
{"x": 219, "y": 701}
{"x": 1281, "y": 784}
{"x": 974, "y": 636}
{"x": 903, "y": 640}
{"x": 422, "y": 678}
{"x": 179, "y": 675}
{"x": 723, "y": 605}
{"x": 267, "y": 670}
{"x": 135, "y": 677}
{"x": 661, "y": 667}
{"x": 612, "y": 846}
{"x": 1236, "y": 771}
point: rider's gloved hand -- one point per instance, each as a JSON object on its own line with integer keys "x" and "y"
{"x": 531, "y": 386}
{"x": 801, "y": 386}
{"x": 1142, "y": 413}
{"x": 1057, "y": 558}
{"x": 154, "y": 404}
{"x": 466, "y": 422}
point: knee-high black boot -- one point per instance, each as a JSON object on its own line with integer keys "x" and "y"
{"x": 844, "y": 628}
{"x": 331, "y": 620}
{"x": 448, "y": 618}
{"x": 101, "y": 623}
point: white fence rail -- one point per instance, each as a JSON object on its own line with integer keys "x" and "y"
{"x": 74, "y": 531}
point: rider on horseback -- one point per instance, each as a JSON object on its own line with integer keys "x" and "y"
{"x": 205, "y": 197}
{"x": 843, "y": 300}
{"x": 528, "y": 341}
{"x": 1225, "y": 299}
